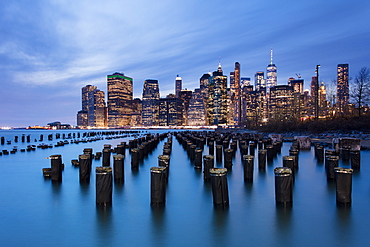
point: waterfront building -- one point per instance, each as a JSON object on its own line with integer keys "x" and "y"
{"x": 271, "y": 74}
{"x": 178, "y": 86}
{"x": 120, "y": 97}
{"x": 185, "y": 96}
{"x": 137, "y": 107}
{"x": 281, "y": 103}
{"x": 82, "y": 116}
{"x": 217, "y": 98}
{"x": 97, "y": 110}
{"x": 150, "y": 107}
{"x": 259, "y": 80}
{"x": 170, "y": 111}
{"x": 196, "y": 111}
{"x": 342, "y": 88}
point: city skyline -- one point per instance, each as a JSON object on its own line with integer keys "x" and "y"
{"x": 50, "y": 51}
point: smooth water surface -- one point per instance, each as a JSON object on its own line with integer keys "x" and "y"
{"x": 37, "y": 212}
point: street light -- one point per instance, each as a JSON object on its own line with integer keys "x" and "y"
{"x": 317, "y": 92}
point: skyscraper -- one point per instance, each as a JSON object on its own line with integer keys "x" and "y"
{"x": 323, "y": 103}
{"x": 342, "y": 88}
{"x": 217, "y": 98}
{"x": 235, "y": 95}
{"x": 271, "y": 74}
{"x": 82, "y": 116}
{"x": 97, "y": 111}
{"x": 170, "y": 111}
{"x": 203, "y": 81}
{"x": 150, "y": 112}
{"x": 245, "y": 82}
{"x": 281, "y": 102}
{"x": 196, "y": 110}
{"x": 314, "y": 97}
{"x": 178, "y": 86}
{"x": 119, "y": 99}
{"x": 296, "y": 84}
{"x": 259, "y": 80}
{"x": 185, "y": 95}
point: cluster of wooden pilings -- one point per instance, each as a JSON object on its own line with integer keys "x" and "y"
{"x": 222, "y": 149}
{"x": 105, "y": 174}
{"x": 205, "y": 149}
{"x": 63, "y": 139}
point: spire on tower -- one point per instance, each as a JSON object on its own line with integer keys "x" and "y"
{"x": 271, "y": 54}
{"x": 219, "y": 69}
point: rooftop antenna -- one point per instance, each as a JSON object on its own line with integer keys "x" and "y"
{"x": 271, "y": 54}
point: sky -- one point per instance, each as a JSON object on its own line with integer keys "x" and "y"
{"x": 49, "y": 50}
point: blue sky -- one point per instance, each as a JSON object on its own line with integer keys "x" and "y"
{"x": 50, "y": 49}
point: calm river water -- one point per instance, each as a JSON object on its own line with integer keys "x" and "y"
{"x": 36, "y": 212}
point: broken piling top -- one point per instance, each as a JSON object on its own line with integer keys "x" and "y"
{"x": 304, "y": 142}
{"x": 353, "y": 143}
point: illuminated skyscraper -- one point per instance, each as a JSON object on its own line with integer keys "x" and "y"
{"x": 196, "y": 111}
{"x": 342, "y": 88}
{"x": 217, "y": 98}
{"x": 119, "y": 100}
{"x": 178, "y": 86}
{"x": 314, "y": 96}
{"x": 170, "y": 111}
{"x": 235, "y": 105}
{"x": 259, "y": 80}
{"x": 296, "y": 84}
{"x": 204, "y": 80}
{"x": 245, "y": 82}
{"x": 281, "y": 103}
{"x": 97, "y": 111}
{"x": 150, "y": 112}
{"x": 137, "y": 107}
{"x": 185, "y": 95}
{"x": 323, "y": 103}
{"x": 271, "y": 74}
{"x": 82, "y": 116}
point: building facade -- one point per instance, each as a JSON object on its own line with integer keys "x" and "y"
{"x": 170, "y": 111}
{"x": 259, "y": 80}
{"x": 150, "y": 107}
{"x": 342, "y": 88}
{"x": 97, "y": 110}
{"x": 271, "y": 74}
{"x": 178, "y": 86}
{"x": 217, "y": 98}
{"x": 196, "y": 111}
{"x": 82, "y": 116}
{"x": 120, "y": 97}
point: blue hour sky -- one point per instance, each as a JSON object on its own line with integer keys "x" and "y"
{"x": 49, "y": 50}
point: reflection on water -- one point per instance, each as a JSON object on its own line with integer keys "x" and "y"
{"x": 158, "y": 226}
{"x": 56, "y": 186}
{"x": 220, "y": 226}
{"x": 84, "y": 188}
{"x": 104, "y": 224}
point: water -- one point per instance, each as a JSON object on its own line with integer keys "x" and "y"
{"x": 36, "y": 212}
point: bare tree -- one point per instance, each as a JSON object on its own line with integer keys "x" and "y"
{"x": 360, "y": 92}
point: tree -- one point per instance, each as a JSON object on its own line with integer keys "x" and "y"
{"x": 360, "y": 88}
